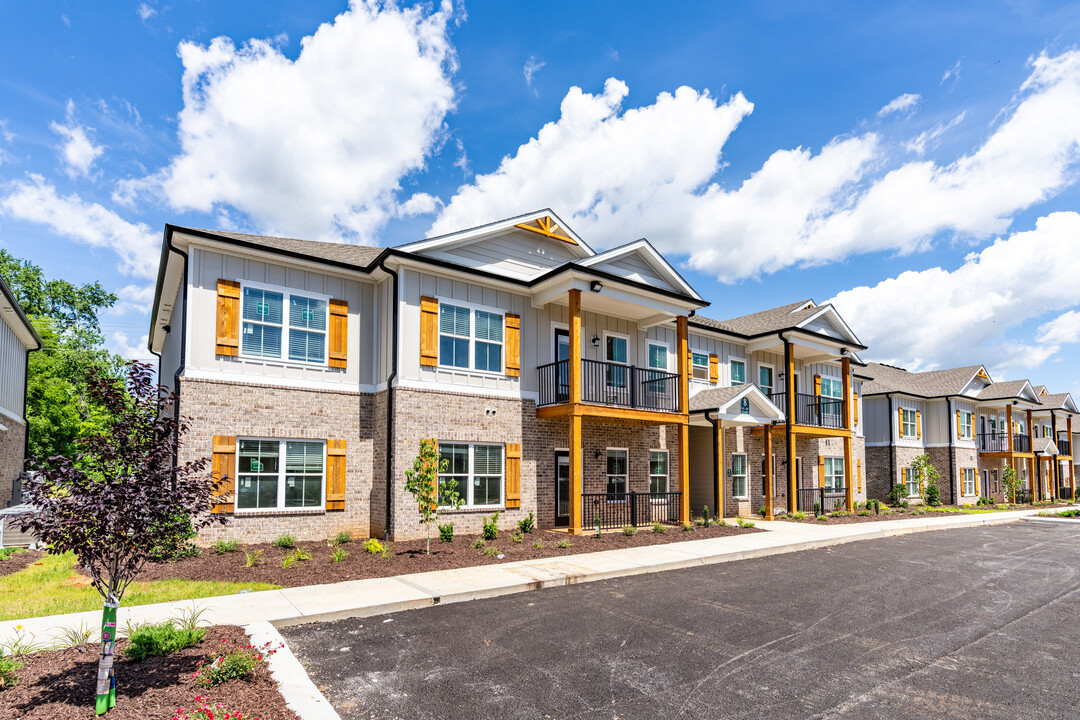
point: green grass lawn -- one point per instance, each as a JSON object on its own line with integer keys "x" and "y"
{"x": 54, "y": 587}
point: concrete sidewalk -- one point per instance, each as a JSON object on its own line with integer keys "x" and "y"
{"x": 360, "y": 598}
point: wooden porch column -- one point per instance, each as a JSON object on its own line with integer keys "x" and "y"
{"x": 719, "y": 467}
{"x": 1009, "y": 425}
{"x": 574, "y": 377}
{"x": 768, "y": 472}
{"x": 684, "y": 428}
{"x": 849, "y": 477}
{"x": 1036, "y": 488}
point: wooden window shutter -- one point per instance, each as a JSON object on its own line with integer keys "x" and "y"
{"x": 858, "y": 473}
{"x": 820, "y": 472}
{"x": 228, "y": 317}
{"x": 958, "y": 433}
{"x": 223, "y": 467}
{"x": 817, "y": 386}
{"x": 513, "y": 475}
{"x": 513, "y": 345}
{"x": 335, "y": 474}
{"x": 900, "y": 414}
{"x": 429, "y": 331}
{"x": 903, "y": 475}
{"x": 918, "y": 424}
{"x": 714, "y": 368}
{"x": 855, "y": 406}
{"x": 339, "y": 333}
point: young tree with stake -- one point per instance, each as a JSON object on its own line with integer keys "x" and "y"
{"x": 423, "y": 483}
{"x": 122, "y": 499}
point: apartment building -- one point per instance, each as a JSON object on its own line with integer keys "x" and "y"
{"x": 576, "y": 385}
{"x": 17, "y": 340}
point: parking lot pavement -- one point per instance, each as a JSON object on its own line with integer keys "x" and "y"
{"x": 971, "y": 623}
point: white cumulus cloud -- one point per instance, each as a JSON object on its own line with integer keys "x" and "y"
{"x": 939, "y": 317}
{"x": 905, "y": 103}
{"x": 314, "y": 147}
{"x": 121, "y": 344}
{"x": 36, "y": 200}
{"x": 77, "y": 148}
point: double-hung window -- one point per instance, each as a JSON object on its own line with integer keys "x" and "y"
{"x": 832, "y": 394}
{"x": 478, "y": 470}
{"x": 264, "y": 482}
{"x": 615, "y": 352}
{"x": 967, "y": 425}
{"x": 738, "y": 475}
{"x": 738, "y": 372}
{"x": 913, "y": 482}
{"x": 470, "y": 338}
{"x": 283, "y": 325}
{"x": 700, "y": 366}
{"x": 765, "y": 379}
{"x": 908, "y": 428}
{"x": 834, "y": 473}
{"x": 969, "y": 481}
{"x": 658, "y": 471}
{"x": 616, "y": 471}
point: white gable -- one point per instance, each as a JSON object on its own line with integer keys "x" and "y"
{"x": 827, "y": 321}
{"x": 640, "y": 262}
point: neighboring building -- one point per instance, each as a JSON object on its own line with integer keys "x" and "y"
{"x": 575, "y": 385}
{"x": 17, "y": 340}
{"x": 1051, "y": 429}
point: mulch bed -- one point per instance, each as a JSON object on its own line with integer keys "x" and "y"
{"x": 18, "y": 561}
{"x": 60, "y": 685}
{"x": 898, "y": 514}
{"x": 408, "y": 556}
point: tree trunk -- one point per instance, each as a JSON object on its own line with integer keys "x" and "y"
{"x": 106, "y": 678}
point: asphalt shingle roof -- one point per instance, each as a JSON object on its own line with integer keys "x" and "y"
{"x": 714, "y": 397}
{"x": 1002, "y": 390}
{"x": 778, "y": 318}
{"x": 359, "y": 255}
{"x": 1054, "y": 401}
{"x": 934, "y": 383}
{"x": 1040, "y": 445}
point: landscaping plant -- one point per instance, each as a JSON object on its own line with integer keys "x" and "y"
{"x": 658, "y": 528}
{"x": 422, "y": 482}
{"x": 286, "y": 541}
{"x": 491, "y": 526}
{"x": 517, "y": 537}
{"x": 526, "y": 524}
{"x": 205, "y": 712}
{"x": 629, "y": 530}
{"x": 251, "y": 559}
{"x": 446, "y": 532}
{"x": 233, "y": 664}
{"x": 479, "y": 543}
{"x": 339, "y": 554}
{"x": 341, "y": 538}
{"x": 114, "y": 504}
{"x": 226, "y": 546}
{"x": 898, "y": 495}
{"x": 1011, "y": 483}
{"x": 159, "y": 639}
{"x": 8, "y": 675}
{"x": 562, "y": 544}
{"x": 928, "y": 477}
{"x": 538, "y": 545}
{"x": 374, "y": 547}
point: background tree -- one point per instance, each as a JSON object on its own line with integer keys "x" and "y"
{"x": 115, "y": 503}
{"x": 423, "y": 483}
{"x": 1011, "y": 482}
{"x": 59, "y": 407}
{"x": 928, "y": 477}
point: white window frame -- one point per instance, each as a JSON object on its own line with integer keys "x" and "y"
{"x": 970, "y": 434}
{"x": 914, "y": 479}
{"x": 607, "y": 476}
{"x": 708, "y": 370}
{"x": 626, "y": 364}
{"x": 772, "y": 368}
{"x": 666, "y": 475}
{"x": 832, "y": 382}
{"x": 472, "y": 308}
{"x": 829, "y": 481}
{"x": 667, "y": 354}
{"x": 745, "y": 478}
{"x": 914, "y": 424}
{"x": 555, "y": 327}
{"x": 969, "y": 477}
{"x": 730, "y": 363}
{"x": 280, "y": 507}
{"x": 286, "y": 295}
{"x": 467, "y": 496}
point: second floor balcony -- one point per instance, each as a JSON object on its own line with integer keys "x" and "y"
{"x": 814, "y": 410}
{"x": 998, "y": 442}
{"x": 1064, "y": 444}
{"x": 611, "y": 384}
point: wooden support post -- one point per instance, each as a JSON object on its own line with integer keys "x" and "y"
{"x": 849, "y": 479}
{"x": 789, "y": 419}
{"x": 768, "y": 472}
{"x": 575, "y": 475}
{"x": 684, "y": 428}
{"x": 574, "y": 377}
{"x": 1009, "y": 426}
{"x": 719, "y": 466}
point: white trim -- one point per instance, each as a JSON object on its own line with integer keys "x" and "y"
{"x": 470, "y": 474}
{"x": 746, "y": 477}
{"x": 473, "y": 308}
{"x": 556, "y": 326}
{"x": 701, "y": 381}
{"x": 667, "y": 466}
{"x": 667, "y": 354}
{"x": 825, "y": 309}
{"x": 772, "y": 367}
{"x": 746, "y": 367}
{"x": 652, "y": 258}
{"x": 286, "y": 296}
{"x": 413, "y": 384}
{"x": 607, "y": 475}
{"x": 604, "y": 334}
{"x": 250, "y": 378}
{"x": 280, "y": 507}
{"x": 7, "y": 413}
{"x": 462, "y": 237}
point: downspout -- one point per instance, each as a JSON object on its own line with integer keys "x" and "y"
{"x": 26, "y": 404}
{"x": 1054, "y": 470}
{"x": 183, "y": 353}
{"x": 789, "y": 401}
{"x": 952, "y": 460}
{"x": 718, "y": 474}
{"x": 390, "y": 396}
{"x": 892, "y": 442}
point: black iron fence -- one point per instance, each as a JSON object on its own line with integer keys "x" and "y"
{"x": 554, "y": 379}
{"x": 607, "y": 383}
{"x": 1064, "y": 492}
{"x": 616, "y": 510}
{"x": 1064, "y": 446}
{"x": 994, "y": 442}
{"x": 1023, "y": 496}
{"x": 814, "y": 410}
{"x": 1021, "y": 443}
{"x": 821, "y": 500}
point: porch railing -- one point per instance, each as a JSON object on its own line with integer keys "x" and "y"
{"x": 1064, "y": 492}
{"x": 813, "y": 410}
{"x": 1064, "y": 445}
{"x": 1021, "y": 443}
{"x": 616, "y": 510}
{"x": 821, "y": 500}
{"x": 607, "y": 383}
{"x": 994, "y": 442}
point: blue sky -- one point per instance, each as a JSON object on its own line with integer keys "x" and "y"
{"x": 916, "y": 164}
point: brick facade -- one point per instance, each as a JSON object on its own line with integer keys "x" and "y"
{"x": 260, "y": 411}
{"x": 12, "y": 447}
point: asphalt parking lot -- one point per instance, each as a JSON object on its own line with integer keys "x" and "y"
{"x": 972, "y": 623}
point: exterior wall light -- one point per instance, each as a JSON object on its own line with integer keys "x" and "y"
{"x": 596, "y": 286}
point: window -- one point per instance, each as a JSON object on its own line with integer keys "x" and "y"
{"x": 912, "y": 482}
{"x": 994, "y": 477}
{"x": 264, "y": 483}
{"x": 969, "y": 481}
{"x": 658, "y": 356}
{"x": 700, "y": 366}
{"x": 738, "y": 372}
{"x": 832, "y": 388}
{"x": 908, "y": 429}
{"x": 477, "y": 469}
{"x": 616, "y": 471}
{"x": 834, "y": 473}
{"x": 469, "y": 338}
{"x": 738, "y": 475}
{"x": 658, "y": 471}
{"x": 765, "y": 379}
{"x": 615, "y": 352}
{"x": 967, "y": 425}
{"x": 266, "y": 334}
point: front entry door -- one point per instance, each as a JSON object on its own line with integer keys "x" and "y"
{"x": 562, "y": 488}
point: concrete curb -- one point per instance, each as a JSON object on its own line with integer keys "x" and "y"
{"x": 1036, "y": 518}
{"x": 300, "y": 694}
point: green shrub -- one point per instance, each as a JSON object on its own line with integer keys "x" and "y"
{"x": 517, "y": 537}
{"x": 251, "y": 559}
{"x": 341, "y": 538}
{"x": 817, "y": 508}
{"x": 898, "y": 495}
{"x": 699, "y": 521}
{"x": 629, "y": 530}
{"x": 563, "y": 544}
{"x": 7, "y": 552}
{"x": 285, "y": 541}
{"x": 688, "y": 527}
{"x": 933, "y": 496}
{"x": 160, "y": 639}
{"x": 761, "y": 511}
{"x": 527, "y": 525}
{"x": 339, "y": 554}
{"x": 744, "y": 523}
{"x": 863, "y": 513}
{"x": 374, "y": 547}
{"x": 491, "y": 551}
{"x": 8, "y": 675}
{"x": 538, "y": 545}
{"x": 659, "y": 528}
{"x": 479, "y": 543}
{"x": 839, "y": 513}
{"x": 798, "y": 514}
{"x": 823, "y": 518}
{"x": 491, "y": 526}
{"x": 226, "y": 546}
{"x": 234, "y": 664}
{"x": 446, "y": 532}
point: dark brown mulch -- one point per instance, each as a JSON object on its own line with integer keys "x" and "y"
{"x": 60, "y": 685}
{"x": 408, "y": 556}
{"x": 18, "y": 561}
{"x": 898, "y": 514}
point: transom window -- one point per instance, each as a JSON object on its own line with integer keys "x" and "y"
{"x": 908, "y": 429}
{"x": 283, "y": 325}
{"x": 834, "y": 473}
{"x": 765, "y": 379}
{"x": 478, "y": 470}
{"x": 738, "y": 372}
{"x": 700, "y": 366}
{"x": 738, "y": 475}
{"x": 616, "y": 471}
{"x": 969, "y": 481}
{"x": 470, "y": 338}
{"x": 967, "y": 425}
{"x": 265, "y": 483}
{"x": 658, "y": 471}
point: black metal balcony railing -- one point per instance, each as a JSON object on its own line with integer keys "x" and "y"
{"x": 616, "y": 510}
{"x": 994, "y": 442}
{"x": 1064, "y": 445}
{"x": 1021, "y": 443}
{"x": 1064, "y": 492}
{"x": 814, "y": 410}
{"x": 607, "y": 383}
{"x": 821, "y": 500}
